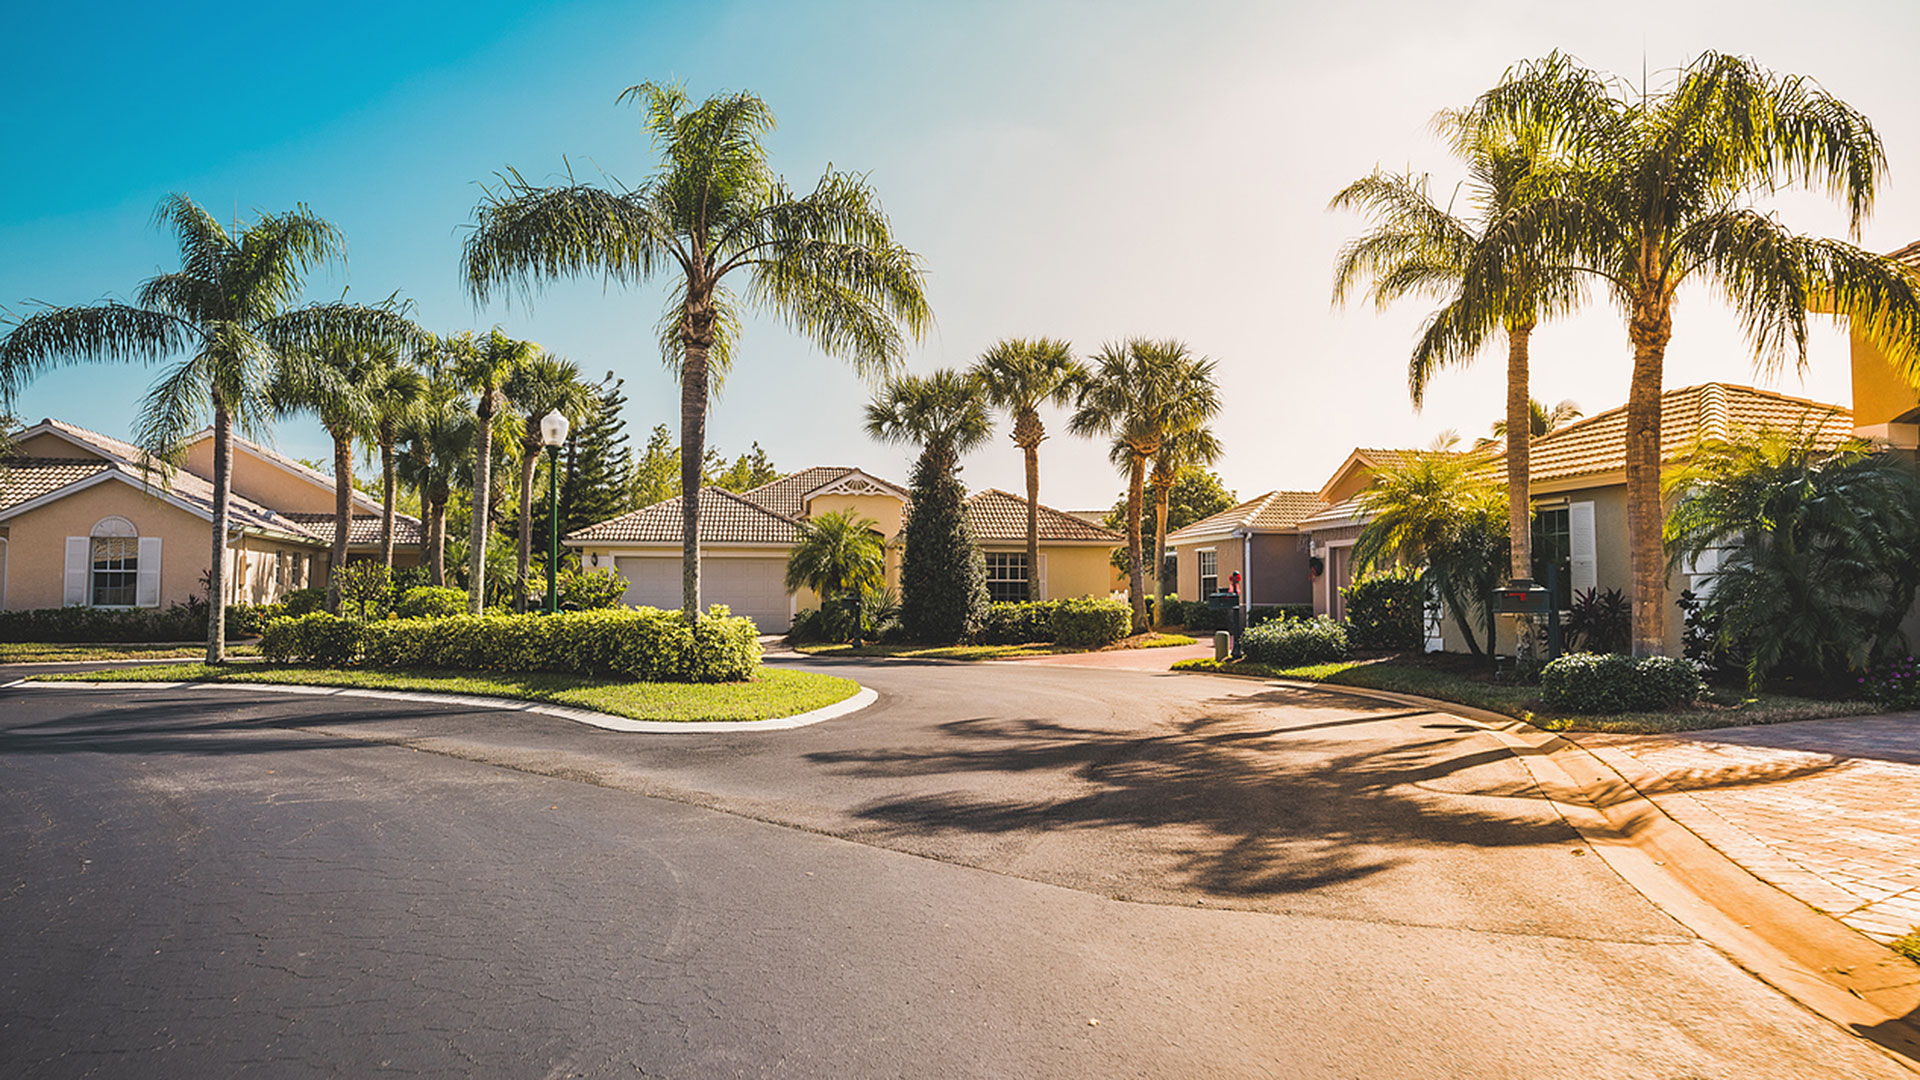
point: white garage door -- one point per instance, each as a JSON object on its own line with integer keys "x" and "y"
{"x": 755, "y": 588}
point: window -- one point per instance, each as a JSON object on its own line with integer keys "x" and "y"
{"x": 116, "y": 570}
{"x": 1007, "y": 576}
{"x": 1553, "y": 551}
{"x": 1209, "y": 572}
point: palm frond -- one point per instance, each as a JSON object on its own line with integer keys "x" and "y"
{"x": 55, "y": 337}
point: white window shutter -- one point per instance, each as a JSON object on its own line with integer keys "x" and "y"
{"x": 79, "y": 555}
{"x": 1043, "y": 577}
{"x": 146, "y": 592}
{"x": 1581, "y": 547}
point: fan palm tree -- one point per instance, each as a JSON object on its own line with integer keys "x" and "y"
{"x": 483, "y": 366}
{"x": 1142, "y": 393}
{"x": 1660, "y": 197}
{"x": 1437, "y": 513}
{"x": 231, "y": 308}
{"x": 1019, "y": 376}
{"x": 1492, "y": 276}
{"x": 1187, "y": 449}
{"x": 1542, "y": 419}
{"x": 438, "y": 433}
{"x": 715, "y": 216}
{"x": 944, "y": 414}
{"x": 543, "y": 385}
{"x": 398, "y": 388}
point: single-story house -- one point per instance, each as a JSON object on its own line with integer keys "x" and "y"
{"x": 1259, "y": 539}
{"x": 82, "y": 523}
{"x": 745, "y": 539}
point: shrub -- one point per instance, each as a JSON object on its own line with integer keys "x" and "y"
{"x": 430, "y": 602}
{"x": 1606, "y": 683}
{"x": 1894, "y": 683}
{"x": 943, "y": 578}
{"x": 1174, "y": 615}
{"x": 1018, "y": 624}
{"x": 304, "y": 601}
{"x": 179, "y": 622}
{"x": 1088, "y": 621}
{"x": 590, "y": 591}
{"x": 248, "y": 620}
{"x": 1602, "y": 622}
{"x": 1293, "y": 642}
{"x": 644, "y": 644}
{"x": 1199, "y": 617}
{"x": 364, "y": 588}
{"x": 1386, "y": 612}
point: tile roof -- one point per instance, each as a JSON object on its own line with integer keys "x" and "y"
{"x": 1909, "y": 254}
{"x": 1339, "y": 514}
{"x": 998, "y": 517}
{"x": 364, "y": 530}
{"x": 787, "y": 495}
{"x": 1276, "y": 511}
{"x": 23, "y": 479}
{"x": 725, "y": 518}
{"x": 1597, "y": 444}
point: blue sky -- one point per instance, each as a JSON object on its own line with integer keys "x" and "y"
{"x": 1080, "y": 170}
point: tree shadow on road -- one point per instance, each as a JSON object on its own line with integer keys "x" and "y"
{"x": 108, "y": 724}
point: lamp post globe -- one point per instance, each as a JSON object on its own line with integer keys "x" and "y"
{"x": 553, "y": 432}
{"x": 553, "y": 429}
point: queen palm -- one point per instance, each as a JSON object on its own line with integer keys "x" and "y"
{"x": 1142, "y": 392}
{"x": 1660, "y": 196}
{"x": 398, "y": 388}
{"x": 717, "y": 218}
{"x": 1491, "y": 274}
{"x": 1020, "y": 375}
{"x": 1542, "y": 419}
{"x": 1186, "y": 449}
{"x": 543, "y": 385}
{"x": 438, "y": 433}
{"x": 483, "y": 365}
{"x": 231, "y": 309}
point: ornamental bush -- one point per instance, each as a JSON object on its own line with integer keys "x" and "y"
{"x": 431, "y": 602}
{"x": 180, "y": 622}
{"x": 304, "y": 601}
{"x": 943, "y": 578}
{"x": 1604, "y": 684}
{"x": 1294, "y": 642}
{"x": 644, "y": 644}
{"x": 1385, "y": 612}
{"x": 1019, "y": 624}
{"x": 1090, "y": 622}
{"x": 1199, "y": 617}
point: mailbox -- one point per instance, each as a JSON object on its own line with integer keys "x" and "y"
{"x": 1223, "y": 600}
{"x": 1522, "y": 596}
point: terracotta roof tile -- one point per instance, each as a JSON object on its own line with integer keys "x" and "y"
{"x": 364, "y": 531}
{"x": 23, "y": 479}
{"x": 1597, "y": 444}
{"x": 1909, "y": 254}
{"x": 1276, "y": 511}
{"x": 725, "y": 518}
{"x": 998, "y": 517}
{"x": 787, "y": 495}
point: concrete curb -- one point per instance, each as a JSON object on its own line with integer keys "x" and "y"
{"x": 1819, "y": 962}
{"x": 864, "y": 697}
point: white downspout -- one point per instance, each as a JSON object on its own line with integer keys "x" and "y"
{"x": 1246, "y": 569}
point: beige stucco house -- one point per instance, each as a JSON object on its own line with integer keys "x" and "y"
{"x": 83, "y": 523}
{"x": 745, "y": 539}
{"x": 1260, "y": 540}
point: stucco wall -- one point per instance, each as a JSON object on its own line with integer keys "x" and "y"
{"x": 263, "y": 482}
{"x": 1076, "y": 571}
{"x": 37, "y": 543}
{"x": 1880, "y": 395}
{"x": 47, "y": 444}
{"x": 1280, "y": 573}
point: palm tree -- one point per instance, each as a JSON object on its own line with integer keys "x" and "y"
{"x": 1019, "y": 376}
{"x": 825, "y": 262}
{"x": 1490, "y": 274}
{"x": 1438, "y": 513}
{"x": 839, "y": 553}
{"x": 483, "y": 366}
{"x": 230, "y": 307}
{"x": 1660, "y": 196}
{"x": 398, "y": 388}
{"x": 438, "y": 432}
{"x": 1190, "y": 448}
{"x": 543, "y": 385}
{"x": 1141, "y": 393}
{"x": 944, "y": 414}
{"x": 1541, "y": 419}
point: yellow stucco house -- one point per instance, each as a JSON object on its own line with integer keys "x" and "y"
{"x": 83, "y": 524}
{"x": 745, "y": 539}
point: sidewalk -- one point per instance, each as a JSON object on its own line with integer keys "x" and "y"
{"x": 1826, "y": 810}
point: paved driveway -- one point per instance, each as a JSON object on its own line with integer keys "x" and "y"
{"x": 997, "y": 871}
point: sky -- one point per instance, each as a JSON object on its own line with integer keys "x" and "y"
{"x": 1090, "y": 171}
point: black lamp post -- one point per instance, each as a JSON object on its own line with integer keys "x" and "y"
{"x": 553, "y": 432}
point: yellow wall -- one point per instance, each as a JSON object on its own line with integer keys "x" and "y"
{"x": 50, "y": 445}
{"x": 264, "y": 482}
{"x": 1880, "y": 394}
{"x": 885, "y": 509}
{"x": 1074, "y": 571}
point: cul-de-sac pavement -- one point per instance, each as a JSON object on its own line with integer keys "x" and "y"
{"x": 999, "y": 870}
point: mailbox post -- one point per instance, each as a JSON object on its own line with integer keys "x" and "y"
{"x": 1521, "y": 596}
{"x": 1236, "y": 621}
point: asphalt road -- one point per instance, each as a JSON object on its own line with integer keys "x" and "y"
{"x": 996, "y": 871}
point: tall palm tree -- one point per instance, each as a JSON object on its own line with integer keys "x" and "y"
{"x": 231, "y": 309}
{"x": 543, "y": 385}
{"x": 398, "y": 388}
{"x": 1661, "y": 196}
{"x": 1491, "y": 276}
{"x": 438, "y": 433}
{"x": 1189, "y": 448}
{"x": 1020, "y": 375}
{"x": 1142, "y": 392}
{"x": 944, "y": 414}
{"x": 483, "y": 365}
{"x": 713, "y": 214}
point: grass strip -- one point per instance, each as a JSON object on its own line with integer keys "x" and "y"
{"x": 35, "y": 652}
{"x": 775, "y": 692}
{"x": 988, "y": 652}
{"x": 1523, "y": 702}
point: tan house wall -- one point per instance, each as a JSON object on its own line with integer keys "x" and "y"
{"x": 1880, "y": 395}
{"x": 47, "y": 444}
{"x": 1280, "y": 573}
{"x": 263, "y": 482}
{"x": 885, "y": 509}
{"x": 1076, "y": 570}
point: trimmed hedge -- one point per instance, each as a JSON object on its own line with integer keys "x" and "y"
{"x": 1294, "y": 642}
{"x": 431, "y": 601}
{"x": 1198, "y": 616}
{"x": 643, "y": 644}
{"x": 1386, "y": 612}
{"x": 1601, "y": 684}
{"x": 1090, "y": 622}
{"x": 1019, "y": 624}
{"x": 181, "y": 622}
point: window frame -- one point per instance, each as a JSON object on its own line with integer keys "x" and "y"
{"x": 1562, "y": 541}
{"x": 1002, "y": 589}
{"x": 126, "y": 567}
{"x": 1201, "y": 557}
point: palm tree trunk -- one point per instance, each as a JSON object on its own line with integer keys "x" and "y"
{"x": 482, "y": 503}
{"x": 1519, "y": 501}
{"x": 529, "y": 458}
{"x": 1162, "y": 495}
{"x": 389, "y": 489}
{"x": 1033, "y": 520}
{"x": 437, "y": 538}
{"x": 1136, "y": 588}
{"x": 342, "y": 514}
{"x": 693, "y": 451}
{"x": 1649, "y": 330}
{"x": 217, "y": 572}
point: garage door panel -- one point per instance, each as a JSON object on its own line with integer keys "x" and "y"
{"x": 753, "y": 587}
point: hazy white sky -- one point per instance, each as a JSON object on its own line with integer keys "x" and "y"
{"x": 1089, "y": 171}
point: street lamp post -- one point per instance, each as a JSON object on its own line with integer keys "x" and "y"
{"x": 553, "y": 432}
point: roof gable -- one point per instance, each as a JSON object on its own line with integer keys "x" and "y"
{"x": 998, "y": 517}
{"x": 725, "y": 518}
{"x": 1275, "y": 511}
{"x": 1708, "y": 412}
{"x": 283, "y": 464}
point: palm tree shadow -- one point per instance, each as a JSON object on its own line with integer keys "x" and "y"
{"x": 192, "y": 727}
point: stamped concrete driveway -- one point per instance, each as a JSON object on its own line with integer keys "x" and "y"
{"x": 997, "y": 871}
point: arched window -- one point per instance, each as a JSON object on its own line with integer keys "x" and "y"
{"x": 116, "y": 563}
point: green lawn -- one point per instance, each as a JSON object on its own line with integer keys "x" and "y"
{"x": 988, "y": 652}
{"x": 33, "y": 652}
{"x": 773, "y": 693}
{"x": 1523, "y": 702}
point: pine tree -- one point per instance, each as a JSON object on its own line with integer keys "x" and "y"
{"x": 594, "y": 486}
{"x": 943, "y": 579}
{"x": 748, "y": 471}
